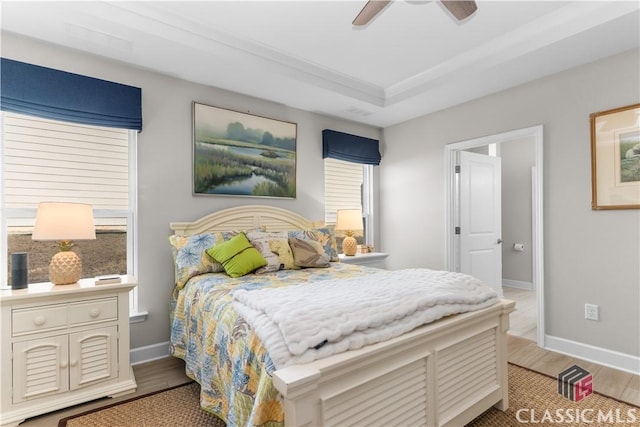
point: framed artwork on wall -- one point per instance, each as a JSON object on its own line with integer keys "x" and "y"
{"x": 615, "y": 158}
{"x": 241, "y": 154}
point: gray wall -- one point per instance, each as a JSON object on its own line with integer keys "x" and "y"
{"x": 518, "y": 157}
{"x": 590, "y": 256}
{"x": 164, "y": 162}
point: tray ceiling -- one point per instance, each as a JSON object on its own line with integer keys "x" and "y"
{"x": 413, "y": 59}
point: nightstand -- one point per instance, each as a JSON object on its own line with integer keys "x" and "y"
{"x": 63, "y": 345}
{"x": 372, "y": 259}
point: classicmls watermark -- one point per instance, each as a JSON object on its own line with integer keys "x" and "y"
{"x": 596, "y": 417}
{"x": 575, "y": 384}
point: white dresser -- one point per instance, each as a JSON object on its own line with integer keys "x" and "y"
{"x": 63, "y": 345}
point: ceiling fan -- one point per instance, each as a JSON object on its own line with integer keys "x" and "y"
{"x": 461, "y": 9}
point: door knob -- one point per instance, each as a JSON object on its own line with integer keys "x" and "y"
{"x": 499, "y": 241}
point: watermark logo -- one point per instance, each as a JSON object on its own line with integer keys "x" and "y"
{"x": 575, "y": 383}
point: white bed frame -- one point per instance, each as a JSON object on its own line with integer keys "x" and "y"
{"x": 442, "y": 374}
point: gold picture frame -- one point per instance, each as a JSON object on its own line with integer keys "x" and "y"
{"x": 615, "y": 158}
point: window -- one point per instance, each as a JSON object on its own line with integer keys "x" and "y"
{"x": 49, "y": 160}
{"x": 349, "y": 177}
{"x": 348, "y": 185}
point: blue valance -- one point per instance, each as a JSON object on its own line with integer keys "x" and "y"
{"x": 350, "y": 148}
{"x": 59, "y": 95}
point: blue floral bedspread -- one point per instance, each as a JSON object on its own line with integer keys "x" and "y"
{"x": 222, "y": 352}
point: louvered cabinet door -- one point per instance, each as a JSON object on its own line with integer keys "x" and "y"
{"x": 93, "y": 356}
{"x": 40, "y": 368}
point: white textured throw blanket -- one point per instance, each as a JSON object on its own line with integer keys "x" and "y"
{"x": 302, "y": 323}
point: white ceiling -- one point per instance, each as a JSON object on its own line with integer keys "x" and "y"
{"x": 413, "y": 59}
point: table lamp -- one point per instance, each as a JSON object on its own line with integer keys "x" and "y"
{"x": 349, "y": 220}
{"x": 64, "y": 222}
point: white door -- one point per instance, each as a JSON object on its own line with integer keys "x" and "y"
{"x": 480, "y": 205}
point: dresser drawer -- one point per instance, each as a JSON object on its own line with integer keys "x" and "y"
{"x": 93, "y": 311}
{"x": 30, "y": 320}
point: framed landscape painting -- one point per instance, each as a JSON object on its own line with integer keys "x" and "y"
{"x": 615, "y": 158}
{"x": 241, "y": 154}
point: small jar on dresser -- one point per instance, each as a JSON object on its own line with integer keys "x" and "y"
{"x": 63, "y": 345}
{"x": 371, "y": 259}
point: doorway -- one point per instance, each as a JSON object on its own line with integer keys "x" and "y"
{"x": 508, "y": 140}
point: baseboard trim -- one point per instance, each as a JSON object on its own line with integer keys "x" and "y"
{"x": 517, "y": 284}
{"x": 613, "y": 359}
{"x": 149, "y": 353}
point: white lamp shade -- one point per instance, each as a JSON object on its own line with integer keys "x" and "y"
{"x": 349, "y": 220}
{"x": 64, "y": 221}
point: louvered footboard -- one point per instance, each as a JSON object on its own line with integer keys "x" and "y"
{"x": 444, "y": 373}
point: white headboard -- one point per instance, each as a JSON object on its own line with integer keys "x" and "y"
{"x": 244, "y": 218}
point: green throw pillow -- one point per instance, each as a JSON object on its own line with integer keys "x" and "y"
{"x": 237, "y": 256}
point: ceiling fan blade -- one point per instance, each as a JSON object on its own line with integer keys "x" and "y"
{"x": 369, "y": 11}
{"x": 461, "y": 9}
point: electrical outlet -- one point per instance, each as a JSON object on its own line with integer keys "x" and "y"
{"x": 591, "y": 312}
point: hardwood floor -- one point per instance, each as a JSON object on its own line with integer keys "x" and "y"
{"x": 523, "y": 322}
{"x": 167, "y": 372}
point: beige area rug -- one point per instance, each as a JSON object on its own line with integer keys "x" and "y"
{"x": 534, "y": 400}
{"x": 174, "y": 407}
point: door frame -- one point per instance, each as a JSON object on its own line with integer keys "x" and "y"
{"x": 451, "y": 215}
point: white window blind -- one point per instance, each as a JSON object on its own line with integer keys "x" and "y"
{"x": 66, "y": 162}
{"x": 49, "y": 160}
{"x": 342, "y": 187}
